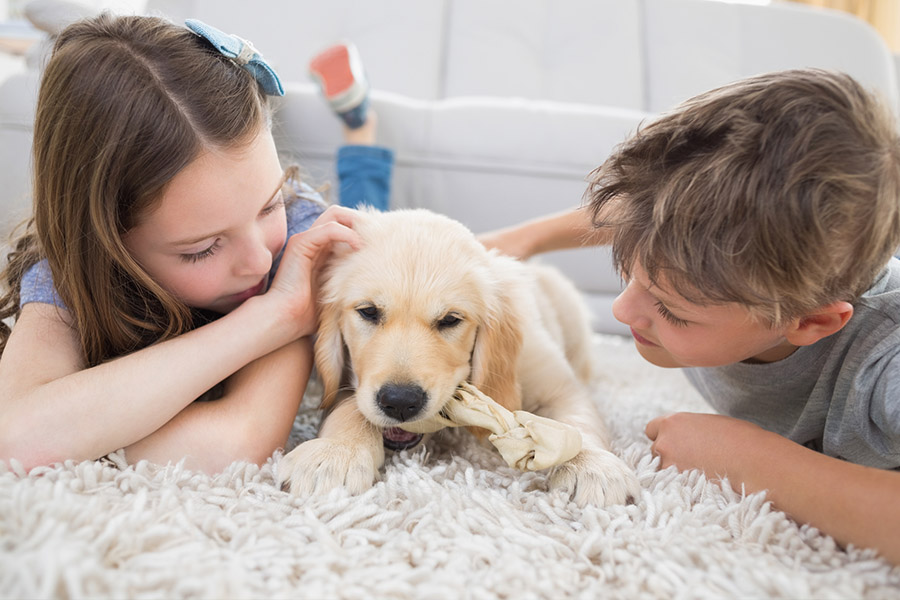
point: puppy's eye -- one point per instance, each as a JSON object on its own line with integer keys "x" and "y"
{"x": 369, "y": 313}
{"x": 448, "y": 321}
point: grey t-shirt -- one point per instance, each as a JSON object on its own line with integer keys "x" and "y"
{"x": 840, "y": 396}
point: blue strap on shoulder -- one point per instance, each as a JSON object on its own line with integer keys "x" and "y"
{"x": 242, "y": 52}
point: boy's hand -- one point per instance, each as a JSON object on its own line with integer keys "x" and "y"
{"x": 508, "y": 241}
{"x": 715, "y": 444}
{"x": 852, "y": 503}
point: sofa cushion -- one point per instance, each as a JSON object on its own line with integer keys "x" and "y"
{"x": 732, "y": 41}
{"x": 587, "y": 52}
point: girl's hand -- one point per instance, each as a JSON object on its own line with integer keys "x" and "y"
{"x": 296, "y": 283}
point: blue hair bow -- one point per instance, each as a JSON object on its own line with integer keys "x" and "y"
{"x": 242, "y": 52}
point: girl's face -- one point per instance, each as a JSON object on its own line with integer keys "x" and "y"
{"x": 211, "y": 240}
{"x": 669, "y": 331}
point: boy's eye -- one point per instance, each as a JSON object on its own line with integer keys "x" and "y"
{"x": 668, "y": 316}
{"x": 198, "y": 256}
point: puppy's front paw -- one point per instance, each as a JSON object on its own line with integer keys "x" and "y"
{"x": 596, "y": 477}
{"x": 319, "y": 465}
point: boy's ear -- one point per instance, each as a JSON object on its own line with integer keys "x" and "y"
{"x": 825, "y": 321}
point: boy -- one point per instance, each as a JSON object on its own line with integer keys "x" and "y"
{"x": 755, "y": 228}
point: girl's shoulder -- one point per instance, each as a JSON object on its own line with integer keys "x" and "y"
{"x": 303, "y": 208}
{"x": 37, "y": 286}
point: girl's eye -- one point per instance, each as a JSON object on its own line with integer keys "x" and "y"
{"x": 668, "y": 316}
{"x": 198, "y": 256}
{"x": 277, "y": 203}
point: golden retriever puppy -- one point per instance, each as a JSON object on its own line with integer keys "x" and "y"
{"x": 422, "y": 307}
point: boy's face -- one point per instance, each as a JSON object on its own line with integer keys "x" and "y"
{"x": 669, "y": 331}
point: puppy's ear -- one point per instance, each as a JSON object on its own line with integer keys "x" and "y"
{"x": 496, "y": 354}
{"x": 329, "y": 353}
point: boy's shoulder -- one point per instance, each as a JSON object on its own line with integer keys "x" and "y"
{"x": 880, "y": 305}
{"x": 872, "y": 335}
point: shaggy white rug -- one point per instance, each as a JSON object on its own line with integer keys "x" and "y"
{"x": 446, "y": 521}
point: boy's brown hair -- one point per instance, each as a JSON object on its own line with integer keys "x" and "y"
{"x": 780, "y": 192}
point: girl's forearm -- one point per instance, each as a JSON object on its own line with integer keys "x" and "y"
{"x": 91, "y": 412}
{"x": 251, "y": 420}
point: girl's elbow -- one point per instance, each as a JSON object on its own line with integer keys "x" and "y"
{"x": 260, "y": 453}
{"x": 26, "y": 444}
{"x": 256, "y": 448}
{"x": 21, "y": 453}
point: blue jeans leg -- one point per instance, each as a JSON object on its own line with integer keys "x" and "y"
{"x": 364, "y": 176}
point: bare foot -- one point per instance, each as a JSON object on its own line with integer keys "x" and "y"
{"x": 364, "y": 135}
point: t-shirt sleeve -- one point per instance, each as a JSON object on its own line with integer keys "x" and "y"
{"x": 37, "y": 286}
{"x": 305, "y": 209}
{"x": 873, "y": 414}
{"x": 301, "y": 212}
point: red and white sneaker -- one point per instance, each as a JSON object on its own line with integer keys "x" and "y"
{"x": 339, "y": 72}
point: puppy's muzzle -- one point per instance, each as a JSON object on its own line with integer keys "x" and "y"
{"x": 401, "y": 402}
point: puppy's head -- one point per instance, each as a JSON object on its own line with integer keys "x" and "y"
{"x": 421, "y": 307}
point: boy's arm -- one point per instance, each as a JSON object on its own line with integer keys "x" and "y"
{"x": 559, "y": 231}
{"x": 853, "y": 504}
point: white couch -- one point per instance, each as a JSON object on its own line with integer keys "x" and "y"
{"x": 498, "y": 109}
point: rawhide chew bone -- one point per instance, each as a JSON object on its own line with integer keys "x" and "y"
{"x": 525, "y": 441}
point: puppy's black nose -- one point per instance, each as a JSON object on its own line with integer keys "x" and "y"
{"x": 401, "y": 402}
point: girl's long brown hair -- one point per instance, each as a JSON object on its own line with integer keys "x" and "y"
{"x": 125, "y": 103}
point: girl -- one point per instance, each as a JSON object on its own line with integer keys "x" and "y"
{"x": 145, "y": 277}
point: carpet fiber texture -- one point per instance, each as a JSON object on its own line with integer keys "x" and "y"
{"x": 446, "y": 520}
